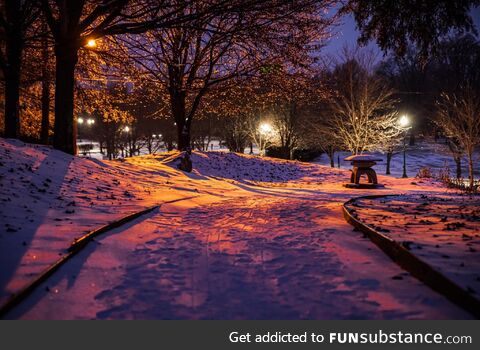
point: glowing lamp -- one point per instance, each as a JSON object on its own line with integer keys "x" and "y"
{"x": 91, "y": 43}
{"x": 404, "y": 121}
{"x": 265, "y": 128}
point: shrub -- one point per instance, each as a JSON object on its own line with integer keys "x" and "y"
{"x": 424, "y": 173}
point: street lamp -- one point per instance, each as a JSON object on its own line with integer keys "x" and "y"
{"x": 265, "y": 128}
{"x": 80, "y": 120}
{"x": 91, "y": 43}
{"x": 404, "y": 122}
{"x": 90, "y": 121}
{"x": 126, "y": 129}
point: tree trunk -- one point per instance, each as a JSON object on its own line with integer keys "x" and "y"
{"x": 45, "y": 127}
{"x": 389, "y": 160}
{"x": 14, "y": 43}
{"x": 45, "y": 111}
{"x": 14, "y": 47}
{"x": 65, "y": 136}
{"x": 470, "y": 170}
{"x": 149, "y": 145}
{"x": 183, "y": 136}
{"x": 331, "y": 156}
{"x": 458, "y": 163}
{"x": 177, "y": 99}
{"x": 110, "y": 147}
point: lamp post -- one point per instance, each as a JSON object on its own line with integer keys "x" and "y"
{"x": 404, "y": 123}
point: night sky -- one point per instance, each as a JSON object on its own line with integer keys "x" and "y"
{"x": 347, "y": 34}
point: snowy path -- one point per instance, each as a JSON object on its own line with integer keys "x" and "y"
{"x": 281, "y": 254}
{"x": 263, "y": 238}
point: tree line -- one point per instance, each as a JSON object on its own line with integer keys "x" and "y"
{"x": 195, "y": 70}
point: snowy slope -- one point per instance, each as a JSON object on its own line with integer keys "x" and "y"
{"x": 49, "y": 198}
{"x": 249, "y": 238}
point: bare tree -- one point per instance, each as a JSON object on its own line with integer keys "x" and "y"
{"x": 16, "y": 17}
{"x": 188, "y": 61}
{"x": 76, "y": 23}
{"x": 290, "y": 94}
{"x": 322, "y": 136}
{"x": 237, "y": 105}
{"x": 364, "y": 111}
{"x": 390, "y": 147}
{"x": 457, "y": 153}
{"x": 235, "y": 133}
{"x": 458, "y": 114}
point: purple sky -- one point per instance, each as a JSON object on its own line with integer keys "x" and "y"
{"x": 347, "y": 34}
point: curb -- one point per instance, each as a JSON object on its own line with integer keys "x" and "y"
{"x": 413, "y": 264}
{"x": 76, "y": 247}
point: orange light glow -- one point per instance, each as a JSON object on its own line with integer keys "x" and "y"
{"x": 92, "y": 43}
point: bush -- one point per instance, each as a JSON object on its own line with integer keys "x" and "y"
{"x": 424, "y": 173}
{"x": 278, "y": 152}
{"x": 461, "y": 184}
{"x": 444, "y": 173}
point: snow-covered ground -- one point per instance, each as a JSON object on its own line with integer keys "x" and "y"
{"x": 248, "y": 237}
{"x": 435, "y": 156}
{"x": 443, "y": 230}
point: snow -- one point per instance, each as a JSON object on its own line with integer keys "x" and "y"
{"x": 247, "y": 237}
{"x": 363, "y": 157}
{"x": 435, "y": 156}
{"x": 444, "y": 231}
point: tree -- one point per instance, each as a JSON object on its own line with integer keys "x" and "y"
{"x": 364, "y": 112}
{"x": 189, "y": 61}
{"x": 457, "y": 153}
{"x": 289, "y": 96}
{"x": 395, "y": 24}
{"x": 322, "y": 133}
{"x": 236, "y": 103}
{"x": 235, "y": 133}
{"x": 205, "y": 131}
{"x": 412, "y": 83}
{"x": 391, "y": 146}
{"x": 74, "y": 23}
{"x": 46, "y": 86}
{"x": 262, "y": 133}
{"x": 459, "y": 117}
{"x": 36, "y": 83}
{"x": 16, "y": 16}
